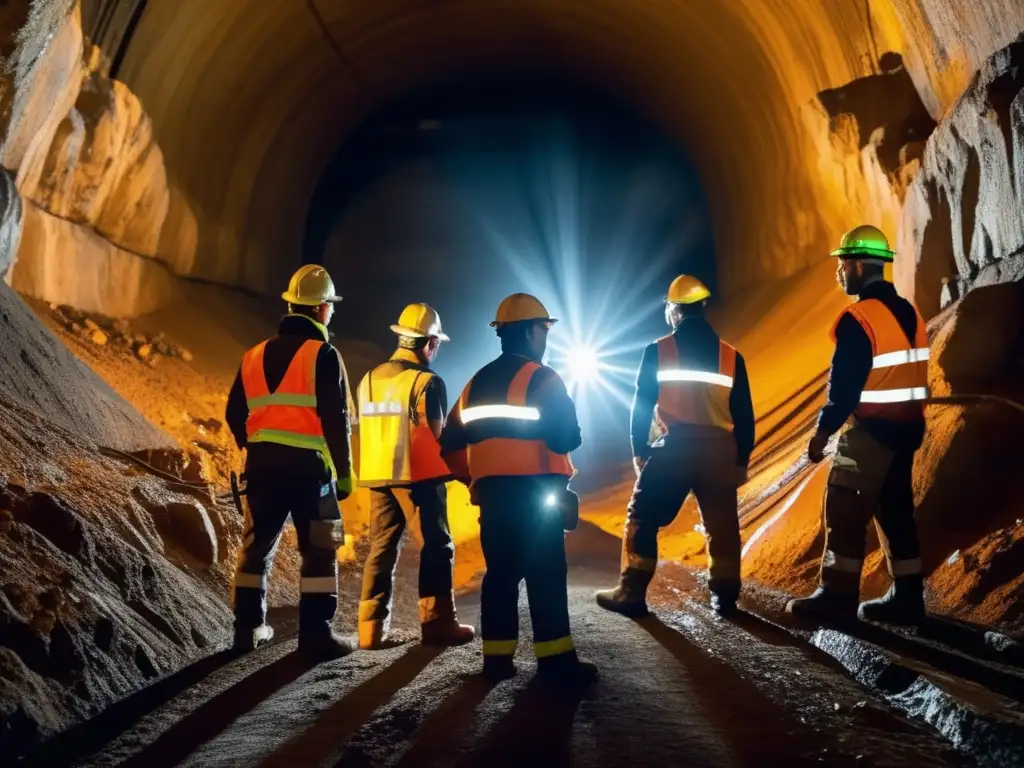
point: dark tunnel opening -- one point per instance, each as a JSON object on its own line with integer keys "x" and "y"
{"x": 475, "y": 188}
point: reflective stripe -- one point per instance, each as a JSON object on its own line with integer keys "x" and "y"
{"x": 554, "y": 647}
{"x": 500, "y": 647}
{"x": 901, "y": 357}
{"x": 517, "y": 412}
{"x": 318, "y": 585}
{"x": 899, "y": 568}
{"x": 294, "y": 439}
{"x": 836, "y": 562}
{"x": 687, "y": 375}
{"x": 649, "y": 564}
{"x": 894, "y": 395}
{"x": 282, "y": 398}
{"x": 389, "y": 408}
{"x": 251, "y": 580}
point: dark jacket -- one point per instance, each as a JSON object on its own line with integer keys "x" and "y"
{"x": 851, "y": 365}
{"x": 559, "y": 427}
{"x": 270, "y": 460}
{"x": 698, "y": 345}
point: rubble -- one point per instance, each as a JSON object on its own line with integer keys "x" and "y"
{"x": 101, "y": 330}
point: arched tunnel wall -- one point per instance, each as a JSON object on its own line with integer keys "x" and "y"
{"x": 232, "y": 110}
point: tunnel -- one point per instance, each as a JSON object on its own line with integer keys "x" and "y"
{"x": 168, "y": 164}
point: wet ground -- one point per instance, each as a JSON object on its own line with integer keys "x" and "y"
{"x": 682, "y": 687}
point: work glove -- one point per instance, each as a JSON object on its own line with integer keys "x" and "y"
{"x": 816, "y": 448}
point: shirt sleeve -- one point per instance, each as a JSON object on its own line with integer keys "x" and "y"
{"x": 237, "y": 411}
{"x": 454, "y": 444}
{"x": 332, "y": 407}
{"x": 560, "y": 425}
{"x": 435, "y": 395}
{"x": 741, "y": 407}
{"x": 851, "y": 366}
{"x": 645, "y": 398}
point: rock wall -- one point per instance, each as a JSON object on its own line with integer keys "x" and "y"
{"x": 964, "y": 216}
{"x": 92, "y": 178}
{"x": 11, "y": 212}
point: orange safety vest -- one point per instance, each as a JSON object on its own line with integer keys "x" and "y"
{"x": 898, "y": 382}
{"x": 287, "y": 415}
{"x": 688, "y": 396}
{"x": 491, "y": 422}
{"x": 396, "y": 444}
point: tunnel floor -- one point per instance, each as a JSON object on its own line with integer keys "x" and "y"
{"x": 682, "y": 687}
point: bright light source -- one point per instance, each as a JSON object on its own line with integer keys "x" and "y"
{"x": 582, "y": 362}
{"x": 550, "y": 500}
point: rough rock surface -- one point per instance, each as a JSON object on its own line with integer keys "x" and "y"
{"x": 11, "y": 212}
{"x": 964, "y": 214}
{"x": 40, "y": 373}
{"x": 98, "y": 593}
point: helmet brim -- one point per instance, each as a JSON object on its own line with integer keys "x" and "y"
{"x": 412, "y": 333}
{"x": 549, "y": 320}
{"x": 291, "y": 298}
{"x": 860, "y": 252}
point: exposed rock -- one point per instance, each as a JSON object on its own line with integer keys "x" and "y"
{"x": 41, "y": 373}
{"x": 187, "y": 525}
{"x": 144, "y": 351}
{"x": 964, "y": 214}
{"x": 11, "y": 212}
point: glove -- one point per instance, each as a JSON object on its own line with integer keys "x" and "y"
{"x": 816, "y": 448}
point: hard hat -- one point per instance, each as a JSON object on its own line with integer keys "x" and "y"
{"x": 420, "y": 321}
{"x": 520, "y": 307}
{"x": 865, "y": 242}
{"x": 310, "y": 286}
{"x": 686, "y": 289}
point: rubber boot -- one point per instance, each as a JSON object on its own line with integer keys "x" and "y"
{"x": 903, "y": 604}
{"x": 323, "y": 645}
{"x": 566, "y": 671}
{"x": 248, "y": 639}
{"x": 440, "y": 625}
{"x": 498, "y": 668}
{"x": 630, "y": 597}
{"x": 825, "y": 605}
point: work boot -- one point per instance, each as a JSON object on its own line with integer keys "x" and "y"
{"x": 439, "y": 624}
{"x": 630, "y": 597}
{"x": 824, "y": 605}
{"x": 566, "y": 671}
{"x": 373, "y": 636}
{"x": 248, "y": 639}
{"x": 498, "y": 668}
{"x": 902, "y": 604}
{"x": 324, "y": 645}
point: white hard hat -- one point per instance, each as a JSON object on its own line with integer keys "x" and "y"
{"x": 420, "y": 321}
{"x": 310, "y": 286}
{"x": 520, "y": 307}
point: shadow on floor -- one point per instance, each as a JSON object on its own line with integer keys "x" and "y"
{"x": 770, "y": 736}
{"x": 537, "y": 729}
{"x": 90, "y": 737}
{"x": 216, "y": 715}
{"x": 440, "y": 733}
{"x": 326, "y": 737}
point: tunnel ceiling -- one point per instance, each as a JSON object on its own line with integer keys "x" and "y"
{"x": 250, "y": 98}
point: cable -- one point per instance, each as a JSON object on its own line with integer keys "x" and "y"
{"x": 972, "y": 399}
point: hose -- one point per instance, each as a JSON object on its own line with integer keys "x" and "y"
{"x": 972, "y": 399}
{"x": 169, "y": 478}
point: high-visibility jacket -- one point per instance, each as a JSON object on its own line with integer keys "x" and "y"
{"x": 396, "y": 444}
{"x": 694, "y": 397}
{"x": 503, "y": 433}
{"x": 288, "y": 415}
{"x": 898, "y": 382}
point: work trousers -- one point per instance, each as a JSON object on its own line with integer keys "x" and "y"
{"x": 523, "y": 539}
{"x": 868, "y": 480}
{"x": 710, "y": 471}
{"x": 314, "y": 509}
{"x": 423, "y": 509}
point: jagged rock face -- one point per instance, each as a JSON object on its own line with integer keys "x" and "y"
{"x": 10, "y": 222}
{"x": 964, "y": 215}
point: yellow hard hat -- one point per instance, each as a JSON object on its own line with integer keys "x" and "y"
{"x": 310, "y": 286}
{"x": 865, "y": 242}
{"x": 686, "y": 289}
{"x": 520, "y": 307}
{"x": 420, "y": 321}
